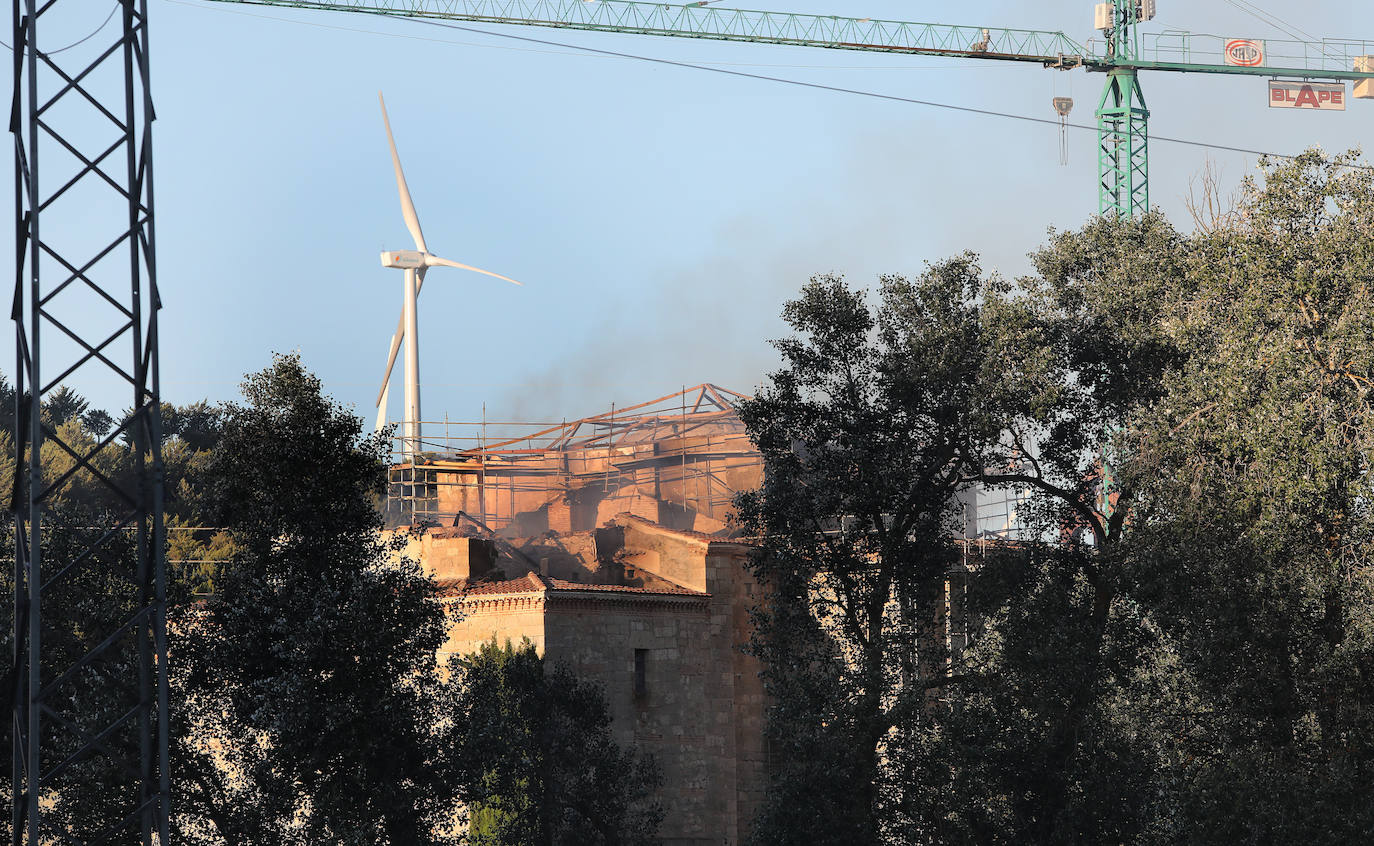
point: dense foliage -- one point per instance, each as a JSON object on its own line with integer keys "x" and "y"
{"x": 1180, "y": 655}
{"x": 533, "y": 758}
{"x": 308, "y": 702}
{"x": 308, "y": 679}
{"x": 1255, "y": 538}
{"x": 89, "y": 603}
{"x": 859, "y": 474}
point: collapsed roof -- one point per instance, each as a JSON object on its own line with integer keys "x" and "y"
{"x": 677, "y": 460}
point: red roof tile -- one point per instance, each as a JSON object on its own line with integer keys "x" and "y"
{"x": 528, "y": 583}
{"x": 535, "y": 583}
{"x": 561, "y": 584}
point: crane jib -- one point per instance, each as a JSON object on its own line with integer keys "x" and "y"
{"x": 1123, "y": 183}
{"x": 1167, "y": 51}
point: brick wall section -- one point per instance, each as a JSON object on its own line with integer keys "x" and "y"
{"x": 443, "y": 554}
{"x": 560, "y": 516}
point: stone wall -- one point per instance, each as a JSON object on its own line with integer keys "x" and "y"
{"x": 733, "y": 594}
{"x": 673, "y": 717}
{"x": 476, "y": 620}
{"x": 701, "y": 710}
{"x": 734, "y": 699}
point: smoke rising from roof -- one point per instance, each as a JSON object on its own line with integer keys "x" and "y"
{"x": 712, "y": 321}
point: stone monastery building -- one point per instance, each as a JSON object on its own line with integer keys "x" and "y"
{"x": 605, "y": 541}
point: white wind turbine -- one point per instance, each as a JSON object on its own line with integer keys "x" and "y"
{"x": 414, "y": 262}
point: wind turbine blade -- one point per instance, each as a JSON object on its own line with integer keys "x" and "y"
{"x": 407, "y": 207}
{"x": 433, "y": 261}
{"x": 390, "y": 364}
{"x": 381, "y": 406}
{"x": 396, "y": 338}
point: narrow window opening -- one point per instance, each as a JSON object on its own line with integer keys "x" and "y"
{"x": 641, "y": 673}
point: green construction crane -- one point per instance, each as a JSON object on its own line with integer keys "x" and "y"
{"x": 1307, "y": 74}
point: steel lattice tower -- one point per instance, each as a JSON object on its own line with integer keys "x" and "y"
{"x": 90, "y": 671}
{"x": 1123, "y": 146}
{"x": 1123, "y": 160}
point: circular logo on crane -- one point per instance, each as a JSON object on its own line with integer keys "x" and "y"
{"x": 1244, "y": 53}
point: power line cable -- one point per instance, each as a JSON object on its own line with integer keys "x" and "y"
{"x": 855, "y": 91}
{"x": 1291, "y": 30}
{"x": 76, "y": 43}
{"x": 816, "y": 85}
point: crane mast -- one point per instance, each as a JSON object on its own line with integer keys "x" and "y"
{"x": 1122, "y": 115}
{"x": 1123, "y": 137}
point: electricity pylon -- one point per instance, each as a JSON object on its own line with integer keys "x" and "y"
{"x": 90, "y": 697}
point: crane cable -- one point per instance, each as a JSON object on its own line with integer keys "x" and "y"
{"x": 1291, "y": 30}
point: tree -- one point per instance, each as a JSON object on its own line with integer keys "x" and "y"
{"x": 882, "y": 418}
{"x": 861, "y": 434}
{"x": 62, "y": 405}
{"x": 1253, "y": 537}
{"x": 6, "y": 405}
{"x": 1175, "y": 656}
{"x": 1070, "y": 662}
{"x": 196, "y": 547}
{"x": 199, "y": 425}
{"x": 533, "y": 757}
{"x": 97, "y": 422}
{"x": 308, "y": 681}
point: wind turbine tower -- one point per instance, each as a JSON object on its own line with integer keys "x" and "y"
{"x": 414, "y": 262}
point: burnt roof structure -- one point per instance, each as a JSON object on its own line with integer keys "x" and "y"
{"x": 677, "y": 460}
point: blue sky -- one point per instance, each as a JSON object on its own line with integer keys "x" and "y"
{"x": 659, "y": 216}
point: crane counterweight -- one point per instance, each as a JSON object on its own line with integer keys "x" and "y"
{"x": 1364, "y": 88}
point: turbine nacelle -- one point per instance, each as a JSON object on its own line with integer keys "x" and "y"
{"x": 406, "y": 259}
{"x": 418, "y": 260}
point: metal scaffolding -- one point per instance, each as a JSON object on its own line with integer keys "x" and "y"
{"x": 90, "y": 693}
{"x": 679, "y": 460}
